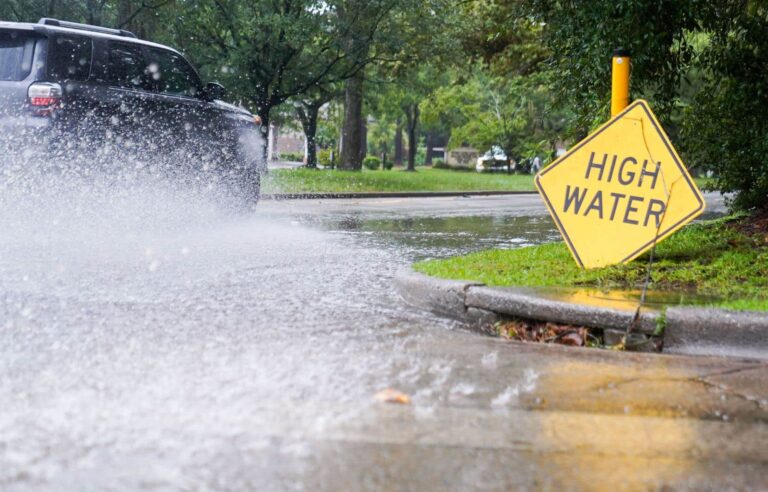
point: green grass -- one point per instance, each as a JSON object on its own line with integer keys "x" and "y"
{"x": 710, "y": 258}
{"x": 424, "y": 179}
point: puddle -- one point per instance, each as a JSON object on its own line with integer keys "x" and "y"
{"x": 440, "y": 237}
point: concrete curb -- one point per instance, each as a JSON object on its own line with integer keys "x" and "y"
{"x": 413, "y": 194}
{"x": 688, "y": 330}
{"x": 473, "y": 302}
{"x": 513, "y": 302}
{"x": 716, "y": 332}
{"x": 444, "y": 297}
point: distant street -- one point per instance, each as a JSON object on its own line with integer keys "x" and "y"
{"x": 153, "y": 342}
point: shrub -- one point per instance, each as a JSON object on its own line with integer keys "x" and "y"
{"x": 421, "y": 155}
{"x": 372, "y": 162}
{"x": 389, "y": 164}
{"x": 324, "y": 157}
{"x": 292, "y": 156}
{"x": 441, "y": 164}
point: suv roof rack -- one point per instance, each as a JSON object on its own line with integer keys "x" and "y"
{"x": 85, "y": 27}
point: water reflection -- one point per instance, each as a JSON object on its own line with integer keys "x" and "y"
{"x": 623, "y": 299}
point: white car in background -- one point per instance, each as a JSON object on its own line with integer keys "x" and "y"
{"x": 493, "y": 160}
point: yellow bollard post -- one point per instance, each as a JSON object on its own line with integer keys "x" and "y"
{"x": 619, "y": 81}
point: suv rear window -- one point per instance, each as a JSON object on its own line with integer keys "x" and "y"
{"x": 15, "y": 55}
{"x": 69, "y": 58}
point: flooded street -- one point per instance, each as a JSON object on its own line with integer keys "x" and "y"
{"x": 152, "y": 341}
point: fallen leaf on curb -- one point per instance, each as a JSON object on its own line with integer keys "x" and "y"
{"x": 390, "y": 395}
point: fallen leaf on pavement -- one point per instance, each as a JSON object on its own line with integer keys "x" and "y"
{"x": 390, "y": 395}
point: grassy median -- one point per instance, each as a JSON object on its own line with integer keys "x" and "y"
{"x": 304, "y": 180}
{"x": 725, "y": 258}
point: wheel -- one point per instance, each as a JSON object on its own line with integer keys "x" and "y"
{"x": 246, "y": 188}
{"x": 252, "y": 188}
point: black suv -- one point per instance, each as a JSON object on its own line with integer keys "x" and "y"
{"x": 69, "y": 87}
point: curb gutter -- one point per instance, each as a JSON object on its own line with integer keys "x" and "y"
{"x": 688, "y": 330}
{"x": 412, "y": 194}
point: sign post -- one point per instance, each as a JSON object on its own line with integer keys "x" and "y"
{"x": 619, "y": 81}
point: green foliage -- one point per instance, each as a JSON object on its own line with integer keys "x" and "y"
{"x": 421, "y": 155}
{"x": 726, "y": 129}
{"x": 229, "y": 38}
{"x": 146, "y": 19}
{"x": 324, "y": 157}
{"x": 582, "y": 37}
{"x": 381, "y": 135}
{"x": 328, "y": 125}
{"x": 712, "y": 259}
{"x": 701, "y": 65}
{"x": 292, "y": 156}
{"x": 441, "y": 164}
{"x": 515, "y": 114}
{"x": 508, "y": 44}
{"x": 372, "y": 162}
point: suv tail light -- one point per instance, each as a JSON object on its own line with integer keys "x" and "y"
{"x": 44, "y": 97}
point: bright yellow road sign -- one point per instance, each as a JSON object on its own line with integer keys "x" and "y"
{"x": 620, "y": 190}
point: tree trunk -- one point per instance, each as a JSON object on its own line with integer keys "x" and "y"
{"x": 363, "y": 138}
{"x": 272, "y": 137}
{"x": 263, "y": 114}
{"x": 51, "y": 10}
{"x": 412, "y": 116}
{"x": 398, "y": 157}
{"x": 124, "y": 12}
{"x": 428, "y": 157}
{"x": 94, "y": 12}
{"x": 308, "y": 118}
{"x": 351, "y": 152}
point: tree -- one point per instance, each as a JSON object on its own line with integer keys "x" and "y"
{"x": 401, "y": 36}
{"x": 514, "y": 114}
{"x": 381, "y": 134}
{"x": 308, "y": 110}
{"x": 366, "y": 20}
{"x": 501, "y": 97}
{"x": 32, "y": 10}
{"x": 140, "y": 16}
{"x": 416, "y": 84}
{"x": 726, "y": 129}
{"x": 268, "y": 52}
{"x": 581, "y": 39}
{"x": 723, "y": 43}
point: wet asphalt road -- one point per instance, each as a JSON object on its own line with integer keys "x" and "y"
{"x": 151, "y": 341}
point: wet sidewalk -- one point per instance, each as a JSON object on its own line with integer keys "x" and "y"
{"x": 553, "y": 418}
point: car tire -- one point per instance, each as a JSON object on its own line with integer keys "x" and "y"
{"x": 247, "y": 187}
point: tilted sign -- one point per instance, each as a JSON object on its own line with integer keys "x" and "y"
{"x": 620, "y": 190}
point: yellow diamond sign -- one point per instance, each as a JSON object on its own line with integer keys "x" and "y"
{"x": 619, "y": 191}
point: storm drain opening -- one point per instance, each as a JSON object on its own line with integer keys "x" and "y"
{"x": 533, "y": 331}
